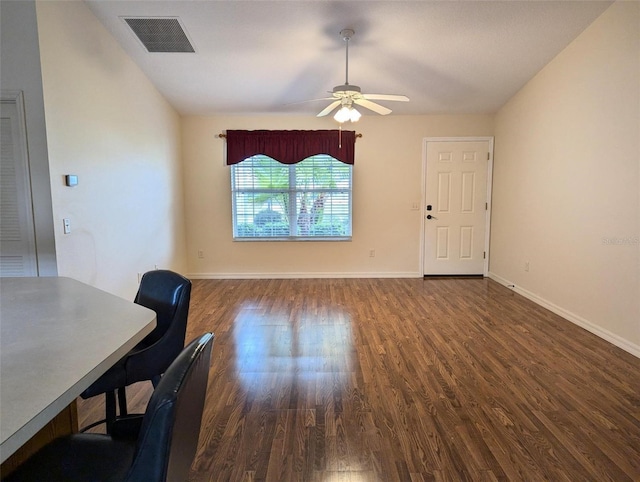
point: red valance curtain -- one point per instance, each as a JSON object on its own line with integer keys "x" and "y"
{"x": 290, "y": 147}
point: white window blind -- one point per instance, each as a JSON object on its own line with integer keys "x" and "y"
{"x": 307, "y": 200}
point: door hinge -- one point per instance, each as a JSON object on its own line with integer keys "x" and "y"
{"x": 488, "y": 156}
{"x": 486, "y": 206}
{"x": 484, "y": 255}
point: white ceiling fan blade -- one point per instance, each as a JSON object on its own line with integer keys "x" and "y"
{"x": 329, "y": 108}
{"x": 310, "y": 100}
{"x": 377, "y": 108}
{"x": 398, "y": 98}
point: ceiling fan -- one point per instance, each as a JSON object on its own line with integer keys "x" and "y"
{"x": 347, "y": 95}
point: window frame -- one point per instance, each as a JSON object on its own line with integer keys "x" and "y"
{"x": 292, "y": 192}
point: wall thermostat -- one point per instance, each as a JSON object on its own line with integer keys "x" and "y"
{"x": 71, "y": 180}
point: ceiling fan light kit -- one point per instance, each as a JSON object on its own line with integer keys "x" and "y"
{"x": 346, "y": 95}
{"x": 347, "y": 113}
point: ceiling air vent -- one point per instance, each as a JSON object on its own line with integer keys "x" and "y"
{"x": 160, "y": 34}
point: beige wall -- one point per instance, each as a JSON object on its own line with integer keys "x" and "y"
{"x": 566, "y": 181}
{"x": 107, "y": 124}
{"x": 387, "y": 179}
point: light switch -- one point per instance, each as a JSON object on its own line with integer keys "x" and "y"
{"x": 67, "y": 225}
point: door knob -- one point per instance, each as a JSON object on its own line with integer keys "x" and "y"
{"x": 429, "y": 216}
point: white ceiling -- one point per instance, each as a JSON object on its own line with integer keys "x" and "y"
{"x": 255, "y": 57}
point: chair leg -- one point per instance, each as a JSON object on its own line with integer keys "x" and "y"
{"x": 110, "y": 405}
{"x": 122, "y": 401}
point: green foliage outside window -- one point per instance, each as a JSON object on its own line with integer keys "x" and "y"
{"x": 307, "y": 200}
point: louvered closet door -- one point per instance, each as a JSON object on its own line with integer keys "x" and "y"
{"x": 17, "y": 237}
{"x": 456, "y": 196}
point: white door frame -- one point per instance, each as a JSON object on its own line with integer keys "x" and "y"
{"x": 426, "y": 140}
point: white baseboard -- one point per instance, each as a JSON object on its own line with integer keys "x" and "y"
{"x": 300, "y": 275}
{"x": 618, "y": 341}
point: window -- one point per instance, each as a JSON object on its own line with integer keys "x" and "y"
{"x": 308, "y": 200}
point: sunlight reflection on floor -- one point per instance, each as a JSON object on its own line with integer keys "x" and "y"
{"x": 303, "y": 346}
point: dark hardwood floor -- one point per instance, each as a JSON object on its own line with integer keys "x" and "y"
{"x": 404, "y": 380}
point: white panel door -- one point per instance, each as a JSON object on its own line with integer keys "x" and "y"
{"x": 455, "y": 216}
{"x": 17, "y": 233}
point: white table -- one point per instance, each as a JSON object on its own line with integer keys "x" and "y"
{"x": 57, "y": 336}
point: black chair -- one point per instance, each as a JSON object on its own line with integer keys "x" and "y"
{"x": 168, "y": 294}
{"x": 157, "y": 446}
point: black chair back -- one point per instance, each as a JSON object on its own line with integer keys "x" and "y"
{"x": 168, "y": 294}
{"x": 168, "y": 439}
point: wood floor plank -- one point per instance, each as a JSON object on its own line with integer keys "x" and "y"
{"x": 404, "y": 380}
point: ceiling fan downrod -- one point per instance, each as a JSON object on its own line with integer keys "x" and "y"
{"x": 346, "y": 34}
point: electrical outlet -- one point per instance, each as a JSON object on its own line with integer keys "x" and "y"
{"x": 139, "y": 277}
{"x": 200, "y": 253}
{"x": 526, "y": 265}
{"x": 372, "y": 253}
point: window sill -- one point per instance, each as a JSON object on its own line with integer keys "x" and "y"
{"x": 295, "y": 239}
